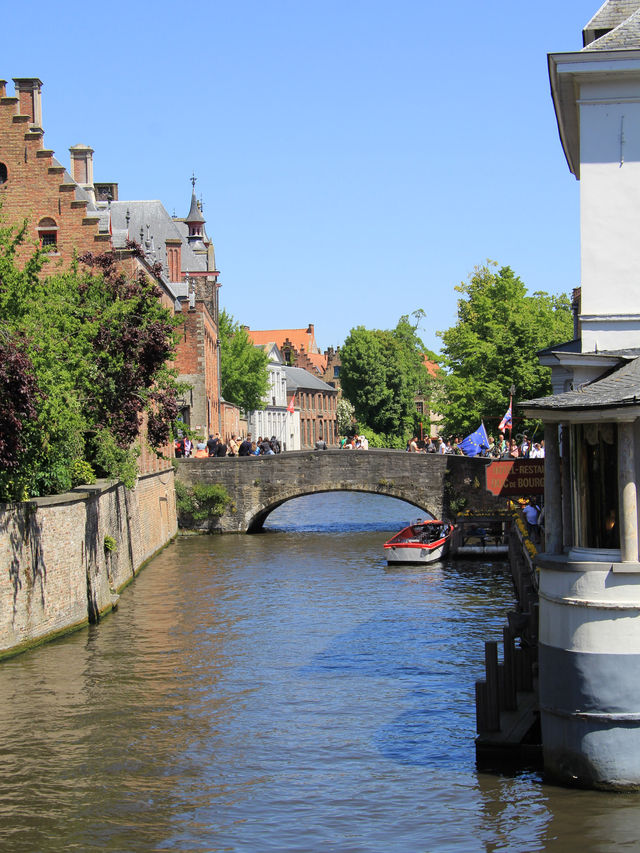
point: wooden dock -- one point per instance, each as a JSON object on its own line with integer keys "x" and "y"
{"x": 507, "y": 714}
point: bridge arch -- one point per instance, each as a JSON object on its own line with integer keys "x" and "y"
{"x": 260, "y": 514}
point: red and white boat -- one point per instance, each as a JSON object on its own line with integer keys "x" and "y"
{"x": 420, "y": 542}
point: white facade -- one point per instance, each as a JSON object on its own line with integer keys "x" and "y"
{"x": 275, "y": 419}
{"x": 597, "y": 97}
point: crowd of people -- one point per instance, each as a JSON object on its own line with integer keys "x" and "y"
{"x": 354, "y": 442}
{"x": 503, "y": 448}
{"x": 215, "y": 446}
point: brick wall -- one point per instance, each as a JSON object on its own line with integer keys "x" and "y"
{"x": 59, "y": 575}
{"x": 35, "y": 187}
{"x": 197, "y": 364}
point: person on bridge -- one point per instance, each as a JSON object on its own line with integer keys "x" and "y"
{"x": 321, "y": 444}
{"x": 245, "y": 447}
{"x": 201, "y": 450}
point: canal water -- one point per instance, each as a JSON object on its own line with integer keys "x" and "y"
{"x": 280, "y": 692}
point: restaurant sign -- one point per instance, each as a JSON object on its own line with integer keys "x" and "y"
{"x": 515, "y": 477}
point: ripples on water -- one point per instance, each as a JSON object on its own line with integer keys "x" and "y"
{"x": 284, "y": 691}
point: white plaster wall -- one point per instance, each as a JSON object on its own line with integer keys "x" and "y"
{"x": 279, "y": 422}
{"x": 610, "y": 213}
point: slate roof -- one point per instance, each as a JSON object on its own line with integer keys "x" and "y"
{"x": 195, "y": 214}
{"x": 624, "y": 36}
{"x": 621, "y": 387}
{"x": 298, "y": 378}
{"x": 612, "y": 13}
{"x": 157, "y": 227}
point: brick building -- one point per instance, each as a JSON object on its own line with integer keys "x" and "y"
{"x": 316, "y": 401}
{"x": 313, "y": 379}
{"x": 299, "y": 349}
{"x": 67, "y": 212}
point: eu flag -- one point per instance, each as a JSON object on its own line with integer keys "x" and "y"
{"x": 475, "y": 443}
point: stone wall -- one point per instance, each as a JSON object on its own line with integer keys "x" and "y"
{"x": 57, "y": 574}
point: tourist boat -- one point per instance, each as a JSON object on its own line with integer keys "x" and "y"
{"x": 420, "y": 542}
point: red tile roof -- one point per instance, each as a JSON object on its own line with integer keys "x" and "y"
{"x": 301, "y": 339}
{"x": 433, "y": 369}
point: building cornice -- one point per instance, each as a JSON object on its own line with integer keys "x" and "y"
{"x": 566, "y": 72}
{"x": 625, "y": 414}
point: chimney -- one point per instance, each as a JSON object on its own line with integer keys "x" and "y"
{"x": 28, "y": 92}
{"x": 82, "y": 164}
{"x": 3, "y": 88}
{"x": 82, "y": 167}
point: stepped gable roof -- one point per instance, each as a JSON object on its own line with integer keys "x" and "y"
{"x": 318, "y": 360}
{"x": 301, "y": 339}
{"x": 620, "y": 387}
{"x": 624, "y": 36}
{"x": 298, "y": 377}
{"x": 80, "y": 193}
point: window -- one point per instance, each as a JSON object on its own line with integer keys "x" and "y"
{"x": 48, "y": 234}
{"x": 336, "y": 371}
{"x": 420, "y": 407}
{"x": 595, "y": 465}
{"x": 3, "y": 174}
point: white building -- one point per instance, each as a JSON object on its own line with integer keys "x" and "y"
{"x": 590, "y": 572}
{"x": 276, "y": 419}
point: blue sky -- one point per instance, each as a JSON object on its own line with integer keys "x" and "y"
{"x": 356, "y": 159}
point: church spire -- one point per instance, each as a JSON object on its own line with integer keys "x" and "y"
{"x": 194, "y": 219}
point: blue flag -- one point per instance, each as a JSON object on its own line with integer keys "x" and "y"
{"x": 475, "y": 443}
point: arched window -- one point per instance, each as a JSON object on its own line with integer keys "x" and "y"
{"x": 48, "y": 234}
{"x": 3, "y": 174}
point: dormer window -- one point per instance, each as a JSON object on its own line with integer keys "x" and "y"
{"x": 48, "y": 234}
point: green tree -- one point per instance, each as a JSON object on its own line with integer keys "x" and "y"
{"x": 244, "y": 375}
{"x": 382, "y": 370}
{"x": 96, "y": 343}
{"x": 494, "y": 344}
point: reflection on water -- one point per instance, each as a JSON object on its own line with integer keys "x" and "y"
{"x": 285, "y": 691}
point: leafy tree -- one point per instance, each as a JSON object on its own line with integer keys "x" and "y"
{"x": 494, "y": 344}
{"x": 96, "y": 343}
{"x": 382, "y": 370}
{"x": 19, "y": 395}
{"x": 244, "y": 375}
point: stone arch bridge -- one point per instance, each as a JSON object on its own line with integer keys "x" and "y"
{"x": 440, "y": 485}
